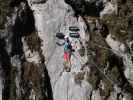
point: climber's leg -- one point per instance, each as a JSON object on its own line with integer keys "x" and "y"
{"x": 65, "y": 56}
{"x": 69, "y": 60}
{"x": 67, "y": 63}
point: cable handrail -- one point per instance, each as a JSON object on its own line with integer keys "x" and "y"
{"x": 110, "y": 49}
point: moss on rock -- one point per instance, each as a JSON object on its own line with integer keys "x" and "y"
{"x": 119, "y": 25}
{"x": 32, "y": 74}
{"x": 78, "y": 77}
{"x": 4, "y": 11}
{"x": 93, "y": 78}
{"x": 33, "y": 41}
{"x": 108, "y": 87}
{"x": 99, "y": 46}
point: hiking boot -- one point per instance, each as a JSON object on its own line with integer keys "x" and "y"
{"x": 65, "y": 65}
{"x": 68, "y": 69}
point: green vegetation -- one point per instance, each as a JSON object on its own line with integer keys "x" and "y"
{"x": 93, "y": 78}
{"x": 108, "y": 87}
{"x": 32, "y": 74}
{"x": 79, "y": 77}
{"x": 104, "y": 59}
{"x": 119, "y": 25}
{"x": 101, "y": 58}
{"x": 34, "y": 44}
{"x": 98, "y": 45}
{"x": 82, "y": 51}
{"x": 4, "y": 10}
{"x": 114, "y": 73}
{"x": 33, "y": 41}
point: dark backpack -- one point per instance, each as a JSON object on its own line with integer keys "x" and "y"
{"x": 60, "y": 35}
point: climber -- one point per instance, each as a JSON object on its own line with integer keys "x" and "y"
{"x": 68, "y": 49}
{"x": 67, "y": 52}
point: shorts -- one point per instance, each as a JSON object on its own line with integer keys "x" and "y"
{"x": 66, "y": 56}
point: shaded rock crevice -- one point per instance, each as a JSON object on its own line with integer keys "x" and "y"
{"x": 19, "y": 80}
{"x": 32, "y": 54}
{"x": 5, "y": 70}
{"x": 80, "y": 6}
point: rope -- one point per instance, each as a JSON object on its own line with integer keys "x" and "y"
{"x": 110, "y": 49}
{"x": 101, "y": 46}
{"x": 108, "y": 78}
{"x": 111, "y": 81}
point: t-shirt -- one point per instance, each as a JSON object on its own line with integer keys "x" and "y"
{"x": 67, "y": 47}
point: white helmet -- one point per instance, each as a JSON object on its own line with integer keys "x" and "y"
{"x": 66, "y": 37}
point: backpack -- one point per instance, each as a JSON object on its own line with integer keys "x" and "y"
{"x": 67, "y": 46}
{"x": 60, "y": 35}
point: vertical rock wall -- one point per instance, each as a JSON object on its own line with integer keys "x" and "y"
{"x": 31, "y": 62}
{"x": 52, "y": 17}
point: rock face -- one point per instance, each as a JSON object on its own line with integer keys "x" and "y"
{"x": 22, "y": 77}
{"x": 50, "y": 19}
{"x": 66, "y": 88}
{"x": 31, "y": 61}
{"x": 120, "y": 49}
{"x": 110, "y": 8}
